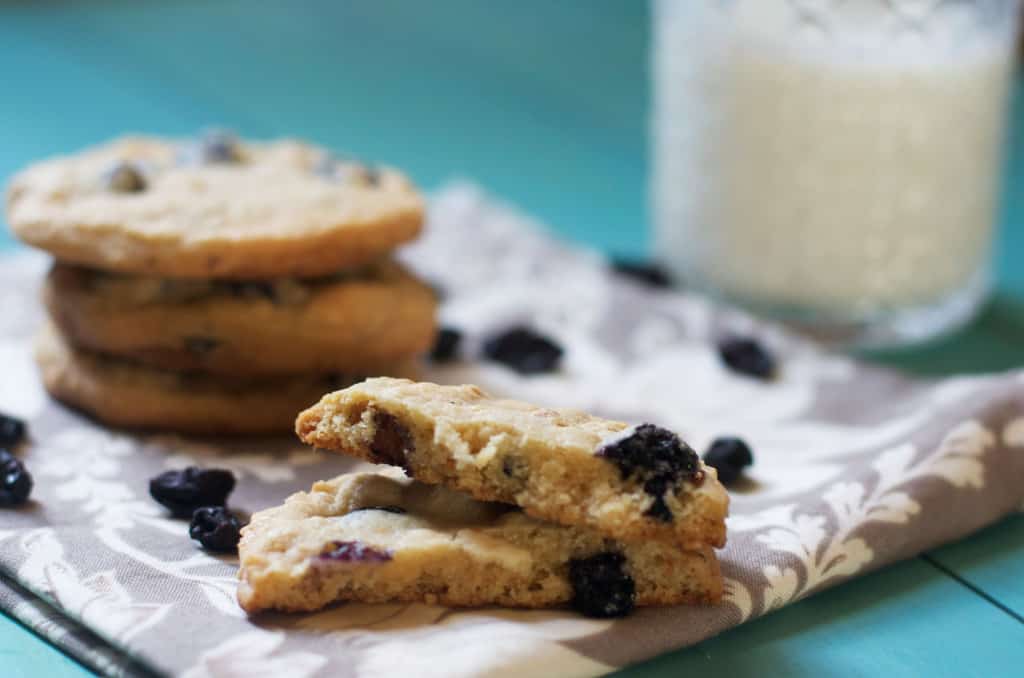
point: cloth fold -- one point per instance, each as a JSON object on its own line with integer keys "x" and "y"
{"x": 855, "y": 467}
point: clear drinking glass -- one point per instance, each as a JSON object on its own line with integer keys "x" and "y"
{"x": 832, "y": 163}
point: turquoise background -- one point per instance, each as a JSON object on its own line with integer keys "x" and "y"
{"x": 545, "y": 103}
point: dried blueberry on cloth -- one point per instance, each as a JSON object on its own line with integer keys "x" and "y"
{"x": 524, "y": 350}
{"x": 729, "y": 456}
{"x": 646, "y": 273}
{"x": 446, "y": 345}
{"x": 215, "y": 528}
{"x": 186, "y": 490}
{"x": 747, "y": 356}
{"x": 15, "y": 481}
{"x": 12, "y": 430}
{"x": 600, "y": 585}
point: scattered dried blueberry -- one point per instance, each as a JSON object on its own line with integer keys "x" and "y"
{"x": 524, "y": 350}
{"x": 189, "y": 489}
{"x": 446, "y": 346}
{"x": 390, "y": 509}
{"x": 600, "y": 585}
{"x": 644, "y": 272}
{"x": 747, "y": 356}
{"x": 12, "y": 430}
{"x": 125, "y": 177}
{"x": 729, "y": 456}
{"x": 656, "y": 457}
{"x": 15, "y": 480}
{"x": 353, "y": 552}
{"x": 215, "y": 528}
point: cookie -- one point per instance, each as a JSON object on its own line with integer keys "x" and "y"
{"x": 216, "y": 207}
{"x": 120, "y": 393}
{"x": 383, "y": 538}
{"x": 359, "y": 322}
{"x": 564, "y": 466}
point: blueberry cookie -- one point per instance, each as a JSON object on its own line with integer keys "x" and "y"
{"x": 212, "y": 207}
{"x": 384, "y": 538}
{"x": 560, "y": 465}
{"x": 362, "y": 321}
{"x": 120, "y": 393}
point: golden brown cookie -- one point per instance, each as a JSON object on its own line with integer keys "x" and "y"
{"x": 565, "y": 466}
{"x": 359, "y": 322}
{"x": 213, "y": 207}
{"x": 384, "y": 538}
{"x": 123, "y": 394}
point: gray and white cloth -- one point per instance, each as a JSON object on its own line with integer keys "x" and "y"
{"x": 856, "y": 467}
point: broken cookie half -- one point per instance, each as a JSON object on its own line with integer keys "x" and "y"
{"x": 381, "y": 537}
{"x": 564, "y": 466}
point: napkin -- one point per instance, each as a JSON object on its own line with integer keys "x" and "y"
{"x": 855, "y": 467}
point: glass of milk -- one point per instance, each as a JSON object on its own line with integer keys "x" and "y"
{"x": 832, "y": 163}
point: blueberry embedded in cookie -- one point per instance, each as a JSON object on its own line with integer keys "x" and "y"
{"x": 656, "y": 457}
{"x": 564, "y": 466}
{"x": 331, "y": 544}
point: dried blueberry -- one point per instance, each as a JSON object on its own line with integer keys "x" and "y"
{"x": 524, "y": 350}
{"x": 184, "y": 491}
{"x": 446, "y": 345}
{"x": 390, "y": 509}
{"x": 392, "y": 442}
{"x": 600, "y": 585}
{"x": 747, "y": 356}
{"x": 729, "y": 456}
{"x": 251, "y": 289}
{"x": 357, "y": 173}
{"x": 643, "y": 272}
{"x": 201, "y": 345}
{"x": 656, "y": 457}
{"x": 125, "y": 177}
{"x": 214, "y": 146}
{"x": 15, "y": 480}
{"x": 12, "y": 430}
{"x": 353, "y": 552}
{"x": 346, "y": 170}
{"x": 215, "y": 528}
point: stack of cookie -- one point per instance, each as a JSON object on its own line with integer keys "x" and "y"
{"x": 507, "y": 504}
{"x": 218, "y": 286}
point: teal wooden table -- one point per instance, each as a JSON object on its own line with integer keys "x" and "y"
{"x": 544, "y": 103}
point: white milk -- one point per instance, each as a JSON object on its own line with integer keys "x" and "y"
{"x": 839, "y": 166}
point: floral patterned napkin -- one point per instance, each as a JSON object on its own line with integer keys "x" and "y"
{"x": 856, "y": 467}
